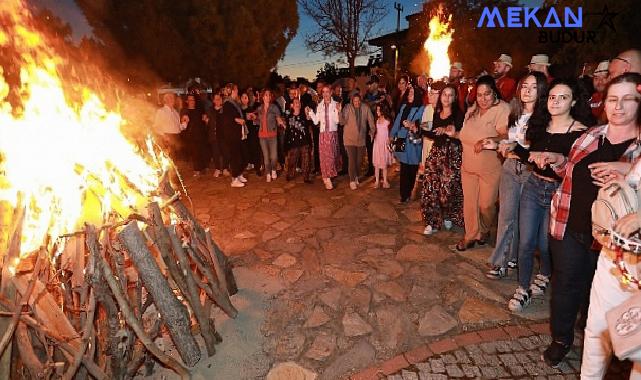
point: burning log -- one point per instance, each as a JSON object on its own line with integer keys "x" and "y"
{"x": 100, "y": 285}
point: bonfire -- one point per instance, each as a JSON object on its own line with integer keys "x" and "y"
{"x": 99, "y": 254}
{"x": 437, "y": 44}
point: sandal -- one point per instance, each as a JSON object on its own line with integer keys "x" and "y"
{"x": 462, "y": 246}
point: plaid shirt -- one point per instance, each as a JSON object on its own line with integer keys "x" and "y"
{"x": 584, "y": 145}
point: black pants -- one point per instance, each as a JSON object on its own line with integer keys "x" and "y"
{"x": 232, "y": 150}
{"x": 407, "y": 179}
{"x": 369, "y": 144}
{"x": 255, "y": 155}
{"x": 573, "y": 266}
{"x": 216, "y": 156}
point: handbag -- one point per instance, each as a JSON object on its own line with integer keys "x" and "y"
{"x": 613, "y": 202}
{"x": 624, "y": 320}
{"x": 398, "y": 144}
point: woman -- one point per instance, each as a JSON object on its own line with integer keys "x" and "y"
{"x": 405, "y": 130}
{"x": 357, "y": 119}
{"x": 553, "y": 128}
{"x": 327, "y": 115}
{"x": 400, "y": 93}
{"x": 298, "y": 142}
{"x": 531, "y": 96}
{"x": 595, "y": 158}
{"x": 486, "y": 120}
{"x": 442, "y": 197}
{"x": 233, "y": 124}
{"x": 267, "y": 116}
{"x": 622, "y": 98}
{"x": 381, "y": 155}
{"x": 214, "y": 134}
{"x": 251, "y": 145}
{"x": 195, "y": 134}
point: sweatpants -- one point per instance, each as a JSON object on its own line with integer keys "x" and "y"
{"x": 480, "y": 193}
{"x": 355, "y": 158}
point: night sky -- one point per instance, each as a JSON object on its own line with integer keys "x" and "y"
{"x": 297, "y": 61}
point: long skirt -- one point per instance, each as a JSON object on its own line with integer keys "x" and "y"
{"x": 330, "y": 157}
{"x": 442, "y": 196}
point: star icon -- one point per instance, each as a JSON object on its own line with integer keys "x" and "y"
{"x": 606, "y": 18}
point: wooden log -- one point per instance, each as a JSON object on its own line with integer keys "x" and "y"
{"x": 87, "y": 334}
{"x": 27, "y": 354}
{"x": 211, "y": 287}
{"x": 172, "y": 311}
{"x": 131, "y": 320}
{"x": 193, "y": 293}
{"x": 218, "y": 259}
{"x": 183, "y": 213}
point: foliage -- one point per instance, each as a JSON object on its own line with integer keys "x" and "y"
{"x": 219, "y": 40}
{"x": 328, "y": 73}
{"x": 342, "y": 26}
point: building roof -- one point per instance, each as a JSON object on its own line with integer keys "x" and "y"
{"x": 386, "y": 39}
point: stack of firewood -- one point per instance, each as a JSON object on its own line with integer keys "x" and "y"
{"x": 95, "y": 304}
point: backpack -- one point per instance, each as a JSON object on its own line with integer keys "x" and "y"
{"x": 614, "y": 201}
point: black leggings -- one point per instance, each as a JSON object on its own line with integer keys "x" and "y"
{"x": 407, "y": 179}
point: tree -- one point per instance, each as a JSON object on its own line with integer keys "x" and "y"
{"x": 328, "y": 73}
{"x": 239, "y": 41}
{"x": 343, "y": 26}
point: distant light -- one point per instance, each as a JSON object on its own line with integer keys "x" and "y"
{"x": 149, "y": 94}
{"x": 393, "y": 47}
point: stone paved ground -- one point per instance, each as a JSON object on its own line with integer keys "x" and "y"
{"x": 360, "y": 283}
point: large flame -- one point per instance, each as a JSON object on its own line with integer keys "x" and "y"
{"x": 437, "y": 44}
{"x": 66, "y": 160}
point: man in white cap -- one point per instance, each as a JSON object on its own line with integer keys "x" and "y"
{"x": 505, "y": 84}
{"x": 540, "y": 62}
{"x": 456, "y": 74}
{"x": 599, "y": 81}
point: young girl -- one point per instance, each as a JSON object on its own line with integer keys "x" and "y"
{"x": 381, "y": 156}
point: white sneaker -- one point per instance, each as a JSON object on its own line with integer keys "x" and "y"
{"x": 269, "y": 178}
{"x": 353, "y": 185}
{"x": 520, "y": 300}
{"x": 429, "y": 230}
{"x": 358, "y": 183}
{"x": 197, "y": 173}
{"x": 236, "y": 183}
{"x": 242, "y": 178}
{"x": 328, "y": 183}
{"x": 539, "y": 285}
{"x": 274, "y": 175}
{"x": 250, "y": 166}
{"x": 216, "y": 173}
{"x": 226, "y": 173}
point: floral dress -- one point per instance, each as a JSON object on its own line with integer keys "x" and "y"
{"x": 442, "y": 196}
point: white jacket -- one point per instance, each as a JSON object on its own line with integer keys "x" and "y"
{"x": 319, "y": 117}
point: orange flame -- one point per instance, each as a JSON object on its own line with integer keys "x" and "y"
{"x": 437, "y": 44}
{"x": 69, "y": 161}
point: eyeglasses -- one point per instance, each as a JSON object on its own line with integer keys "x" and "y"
{"x": 560, "y": 97}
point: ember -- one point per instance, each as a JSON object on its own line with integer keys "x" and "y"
{"x": 99, "y": 255}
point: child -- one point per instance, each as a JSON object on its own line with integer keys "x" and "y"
{"x": 381, "y": 155}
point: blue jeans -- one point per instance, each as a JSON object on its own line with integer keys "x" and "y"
{"x": 269, "y": 146}
{"x": 513, "y": 177}
{"x": 534, "y": 221}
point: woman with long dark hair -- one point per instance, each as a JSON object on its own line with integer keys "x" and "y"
{"x": 442, "y": 196}
{"x": 268, "y": 117}
{"x": 233, "y": 124}
{"x": 406, "y": 130}
{"x": 195, "y": 133}
{"x": 531, "y": 95}
{"x": 553, "y": 128}
{"x": 485, "y": 121}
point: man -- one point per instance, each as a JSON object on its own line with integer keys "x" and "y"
{"x": 505, "y": 84}
{"x": 327, "y": 115}
{"x": 167, "y": 124}
{"x": 422, "y": 83}
{"x": 540, "y": 62}
{"x": 599, "y": 81}
{"x": 628, "y": 61}
{"x": 340, "y": 97}
{"x": 455, "y": 77}
{"x": 373, "y": 97}
{"x": 358, "y": 122}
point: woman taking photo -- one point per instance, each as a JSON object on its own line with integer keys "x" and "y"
{"x": 553, "y": 128}
{"x": 531, "y": 95}
{"x": 622, "y": 108}
{"x": 595, "y": 158}
{"x": 442, "y": 197}
{"x": 485, "y": 121}
{"x": 406, "y": 139}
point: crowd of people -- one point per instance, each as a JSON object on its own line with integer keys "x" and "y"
{"x": 527, "y": 156}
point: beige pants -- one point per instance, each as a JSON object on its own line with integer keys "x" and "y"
{"x": 480, "y": 193}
